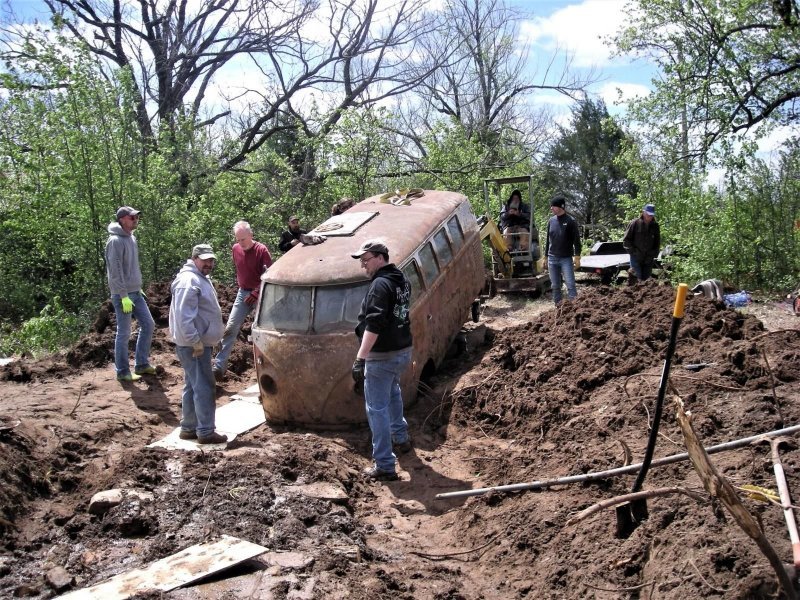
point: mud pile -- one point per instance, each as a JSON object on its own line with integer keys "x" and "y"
{"x": 96, "y": 348}
{"x": 574, "y": 392}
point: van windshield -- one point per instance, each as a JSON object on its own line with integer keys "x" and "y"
{"x": 288, "y": 308}
{"x": 336, "y": 307}
{"x": 285, "y": 308}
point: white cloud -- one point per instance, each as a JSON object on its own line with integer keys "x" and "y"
{"x": 578, "y": 29}
{"x": 619, "y": 92}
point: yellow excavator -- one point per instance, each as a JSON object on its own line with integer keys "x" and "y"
{"x": 517, "y": 264}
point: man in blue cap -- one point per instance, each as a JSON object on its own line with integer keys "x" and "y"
{"x": 642, "y": 241}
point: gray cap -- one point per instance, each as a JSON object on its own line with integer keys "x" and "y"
{"x": 126, "y": 211}
{"x": 649, "y": 209}
{"x": 374, "y": 246}
{"x": 203, "y": 252}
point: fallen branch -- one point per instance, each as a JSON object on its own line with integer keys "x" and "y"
{"x": 719, "y": 487}
{"x": 643, "y": 495}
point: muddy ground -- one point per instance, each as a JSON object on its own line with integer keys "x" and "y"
{"x": 540, "y": 393}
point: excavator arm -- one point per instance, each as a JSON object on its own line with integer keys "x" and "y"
{"x": 490, "y": 231}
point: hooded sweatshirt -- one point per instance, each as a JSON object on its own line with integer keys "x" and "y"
{"x": 385, "y": 311}
{"x": 194, "y": 313}
{"x": 122, "y": 261}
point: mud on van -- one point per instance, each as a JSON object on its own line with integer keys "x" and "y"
{"x": 303, "y": 334}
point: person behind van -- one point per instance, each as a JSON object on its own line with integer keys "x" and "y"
{"x": 251, "y": 259}
{"x": 195, "y": 323}
{"x": 341, "y": 206}
{"x": 384, "y": 328}
{"x": 515, "y": 217}
{"x": 291, "y": 237}
{"x": 563, "y": 242}
{"x": 642, "y": 241}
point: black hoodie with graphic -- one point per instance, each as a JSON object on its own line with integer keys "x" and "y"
{"x": 385, "y": 310}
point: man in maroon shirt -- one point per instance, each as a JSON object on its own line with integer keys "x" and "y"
{"x": 251, "y": 259}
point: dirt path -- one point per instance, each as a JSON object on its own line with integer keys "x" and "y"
{"x": 548, "y": 394}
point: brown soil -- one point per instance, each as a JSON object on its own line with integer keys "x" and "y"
{"x": 549, "y": 393}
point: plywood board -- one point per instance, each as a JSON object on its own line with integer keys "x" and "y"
{"x": 186, "y": 566}
{"x": 231, "y": 420}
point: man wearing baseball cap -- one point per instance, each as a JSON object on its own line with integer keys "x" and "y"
{"x": 384, "y": 353}
{"x": 195, "y": 323}
{"x": 125, "y": 285}
{"x": 642, "y": 240}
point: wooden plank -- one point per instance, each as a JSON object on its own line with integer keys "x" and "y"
{"x": 171, "y": 572}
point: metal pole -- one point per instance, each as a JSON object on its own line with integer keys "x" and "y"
{"x": 598, "y": 475}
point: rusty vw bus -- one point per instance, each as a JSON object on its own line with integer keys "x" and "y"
{"x": 303, "y": 332}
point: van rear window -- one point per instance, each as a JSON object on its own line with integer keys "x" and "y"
{"x": 285, "y": 308}
{"x": 336, "y": 307}
{"x": 427, "y": 261}
{"x": 443, "y": 250}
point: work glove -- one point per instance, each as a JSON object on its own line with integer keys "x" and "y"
{"x": 310, "y": 240}
{"x": 127, "y": 305}
{"x": 198, "y": 349}
{"x": 576, "y": 262}
{"x": 358, "y": 371}
{"x": 251, "y": 298}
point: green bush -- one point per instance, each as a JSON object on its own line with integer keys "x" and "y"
{"x": 54, "y": 328}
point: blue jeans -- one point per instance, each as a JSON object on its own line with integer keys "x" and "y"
{"x": 562, "y": 270}
{"x": 641, "y": 268}
{"x": 239, "y": 312}
{"x": 198, "y": 401}
{"x": 385, "y": 407}
{"x": 146, "y": 325}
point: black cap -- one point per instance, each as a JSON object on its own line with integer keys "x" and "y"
{"x": 558, "y": 201}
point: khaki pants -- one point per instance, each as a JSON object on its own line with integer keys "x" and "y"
{"x": 521, "y": 241}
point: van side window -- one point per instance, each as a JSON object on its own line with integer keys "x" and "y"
{"x": 285, "y": 308}
{"x": 454, "y": 228}
{"x": 443, "y": 250}
{"x": 412, "y": 274}
{"x": 430, "y": 270}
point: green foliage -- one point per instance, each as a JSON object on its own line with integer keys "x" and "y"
{"x": 54, "y": 328}
{"x": 582, "y": 163}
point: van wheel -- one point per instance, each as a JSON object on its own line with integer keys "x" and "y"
{"x": 476, "y": 311}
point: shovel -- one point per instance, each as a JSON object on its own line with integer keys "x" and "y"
{"x": 630, "y": 515}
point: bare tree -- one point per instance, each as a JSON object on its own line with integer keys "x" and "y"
{"x": 356, "y": 52}
{"x": 485, "y": 84}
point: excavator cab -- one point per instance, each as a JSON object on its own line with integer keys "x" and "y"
{"x": 517, "y": 264}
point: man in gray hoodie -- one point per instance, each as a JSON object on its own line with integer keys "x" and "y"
{"x": 195, "y": 323}
{"x": 125, "y": 285}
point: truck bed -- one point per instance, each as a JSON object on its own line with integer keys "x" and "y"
{"x": 604, "y": 261}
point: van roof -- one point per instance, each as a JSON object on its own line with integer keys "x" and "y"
{"x": 402, "y": 229}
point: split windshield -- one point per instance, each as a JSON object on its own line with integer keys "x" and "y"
{"x": 288, "y": 309}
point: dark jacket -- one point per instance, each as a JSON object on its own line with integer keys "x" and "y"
{"x": 287, "y": 237}
{"x": 642, "y": 240}
{"x": 563, "y": 237}
{"x": 385, "y": 310}
{"x": 523, "y": 219}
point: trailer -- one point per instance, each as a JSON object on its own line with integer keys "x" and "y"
{"x": 606, "y": 259}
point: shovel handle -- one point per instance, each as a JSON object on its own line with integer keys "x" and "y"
{"x": 680, "y": 300}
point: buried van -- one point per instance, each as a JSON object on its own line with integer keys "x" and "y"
{"x": 304, "y": 340}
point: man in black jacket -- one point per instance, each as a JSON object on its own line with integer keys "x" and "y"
{"x": 642, "y": 241}
{"x": 384, "y": 328}
{"x": 563, "y": 249}
{"x": 291, "y": 237}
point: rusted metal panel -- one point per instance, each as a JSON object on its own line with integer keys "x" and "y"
{"x": 305, "y": 378}
{"x": 330, "y": 262}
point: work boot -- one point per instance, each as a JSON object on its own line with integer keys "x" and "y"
{"x": 145, "y": 370}
{"x": 212, "y": 438}
{"x": 402, "y": 447}
{"x": 377, "y": 474}
{"x": 187, "y": 434}
{"x": 128, "y": 377}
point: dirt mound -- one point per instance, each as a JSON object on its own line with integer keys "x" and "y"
{"x": 573, "y": 392}
{"x": 96, "y": 348}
